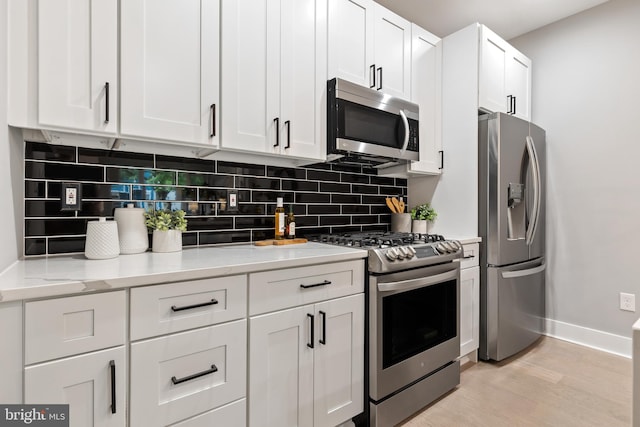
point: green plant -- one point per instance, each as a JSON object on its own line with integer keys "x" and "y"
{"x": 424, "y": 211}
{"x": 164, "y": 220}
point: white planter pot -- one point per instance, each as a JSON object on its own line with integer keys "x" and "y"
{"x": 167, "y": 241}
{"x": 419, "y": 226}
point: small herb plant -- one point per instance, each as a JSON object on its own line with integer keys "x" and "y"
{"x": 424, "y": 211}
{"x": 165, "y": 220}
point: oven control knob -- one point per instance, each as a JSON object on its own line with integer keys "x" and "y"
{"x": 412, "y": 252}
{"x": 439, "y": 248}
{"x": 402, "y": 252}
{"x": 391, "y": 254}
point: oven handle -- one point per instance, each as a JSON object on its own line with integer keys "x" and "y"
{"x": 407, "y": 285}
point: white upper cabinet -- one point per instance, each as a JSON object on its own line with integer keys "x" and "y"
{"x": 274, "y": 77}
{"x": 78, "y": 64}
{"x": 505, "y": 77}
{"x": 371, "y": 46}
{"x": 169, "y": 70}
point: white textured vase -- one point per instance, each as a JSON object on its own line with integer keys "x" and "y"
{"x": 102, "y": 240}
{"x": 167, "y": 241}
{"x": 132, "y": 231}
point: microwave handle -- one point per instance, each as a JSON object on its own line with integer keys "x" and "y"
{"x": 405, "y": 121}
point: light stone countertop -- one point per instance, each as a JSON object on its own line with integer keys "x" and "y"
{"x": 55, "y": 276}
{"x": 467, "y": 240}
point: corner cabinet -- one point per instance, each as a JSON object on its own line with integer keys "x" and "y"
{"x": 505, "y": 77}
{"x": 426, "y": 91}
{"x": 274, "y": 77}
{"x": 371, "y": 46}
{"x": 306, "y": 359}
{"x": 169, "y": 52}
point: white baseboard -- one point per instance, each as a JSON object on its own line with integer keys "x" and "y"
{"x": 599, "y": 340}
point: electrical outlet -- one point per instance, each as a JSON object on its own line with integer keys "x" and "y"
{"x": 70, "y": 196}
{"x": 627, "y": 302}
{"x": 232, "y": 200}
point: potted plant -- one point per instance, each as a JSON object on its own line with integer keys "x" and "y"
{"x": 421, "y": 215}
{"x": 167, "y": 229}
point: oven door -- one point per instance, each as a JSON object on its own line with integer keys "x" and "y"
{"x": 414, "y": 325}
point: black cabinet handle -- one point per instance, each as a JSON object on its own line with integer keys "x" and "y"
{"x": 112, "y": 366}
{"x": 510, "y": 102}
{"x": 288, "y": 125}
{"x": 372, "y": 76}
{"x": 187, "y": 307}
{"x": 213, "y": 369}
{"x": 212, "y": 111}
{"x": 323, "y": 340}
{"x": 311, "y": 326}
{"x": 514, "y": 106}
{"x": 379, "y": 78}
{"x": 277, "y": 122}
{"x": 441, "y": 152}
{"x": 468, "y": 257}
{"x": 106, "y": 102}
{"x": 324, "y": 283}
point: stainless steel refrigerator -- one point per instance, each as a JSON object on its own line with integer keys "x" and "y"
{"x": 512, "y": 194}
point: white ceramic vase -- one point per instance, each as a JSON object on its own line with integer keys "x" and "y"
{"x": 132, "y": 231}
{"x": 102, "y": 240}
{"x": 167, "y": 241}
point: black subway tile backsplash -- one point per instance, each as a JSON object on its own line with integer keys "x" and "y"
{"x": 325, "y": 197}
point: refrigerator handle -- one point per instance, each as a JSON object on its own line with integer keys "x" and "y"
{"x": 535, "y": 168}
{"x": 522, "y": 273}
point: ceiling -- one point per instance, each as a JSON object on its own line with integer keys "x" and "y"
{"x": 508, "y": 18}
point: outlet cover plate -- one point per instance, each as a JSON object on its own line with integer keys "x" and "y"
{"x": 70, "y": 196}
{"x": 232, "y": 200}
{"x": 627, "y": 302}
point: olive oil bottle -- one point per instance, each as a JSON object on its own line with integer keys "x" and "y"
{"x": 280, "y": 219}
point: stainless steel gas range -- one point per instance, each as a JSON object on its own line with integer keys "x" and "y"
{"x": 412, "y": 320}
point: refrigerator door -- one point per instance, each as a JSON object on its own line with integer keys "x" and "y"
{"x": 519, "y": 291}
{"x": 537, "y": 235}
{"x": 507, "y": 190}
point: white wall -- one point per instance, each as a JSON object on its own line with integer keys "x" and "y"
{"x": 586, "y": 94}
{"x": 10, "y": 165}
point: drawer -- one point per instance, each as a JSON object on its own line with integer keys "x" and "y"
{"x": 66, "y": 326}
{"x": 175, "y": 307}
{"x": 470, "y": 255}
{"x": 278, "y": 289}
{"x": 231, "y": 415}
{"x": 178, "y": 376}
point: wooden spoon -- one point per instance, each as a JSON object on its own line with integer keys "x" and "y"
{"x": 391, "y": 205}
{"x": 396, "y": 203}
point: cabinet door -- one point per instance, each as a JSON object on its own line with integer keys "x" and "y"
{"x": 392, "y": 55}
{"x": 519, "y": 83}
{"x": 78, "y": 64}
{"x": 469, "y": 309}
{"x": 250, "y": 74}
{"x": 339, "y": 360}
{"x": 85, "y": 383}
{"x": 303, "y": 73}
{"x": 426, "y": 91}
{"x": 494, "y": 54}
{"x": 281, "y": 368}
{"x": 169, "y": 69}
{"x": 351, "y": 55}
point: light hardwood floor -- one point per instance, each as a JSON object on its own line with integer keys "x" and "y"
{"x": 554, "y": 383}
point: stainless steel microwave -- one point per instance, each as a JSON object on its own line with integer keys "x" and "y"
{"x": 367, "y": 126}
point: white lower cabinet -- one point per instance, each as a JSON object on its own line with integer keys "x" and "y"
{"x": 306, "y": 364}
{"x": 93, "y": 385}
{"x": 179, "y": 375}
{"x": 469, "y": 301}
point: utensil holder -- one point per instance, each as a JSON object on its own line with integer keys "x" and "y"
{"x": 401, "y": 222}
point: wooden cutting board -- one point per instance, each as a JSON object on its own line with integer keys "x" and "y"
{"x": 275, "y": 242}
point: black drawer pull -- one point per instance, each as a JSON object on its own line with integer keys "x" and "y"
{"x": 468, "y": 256}
{"x": 326, "y": 282}
{"x": 188, "y": 307}
{"x": 213, "y": 369}
{"x": 112, "y": 365}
